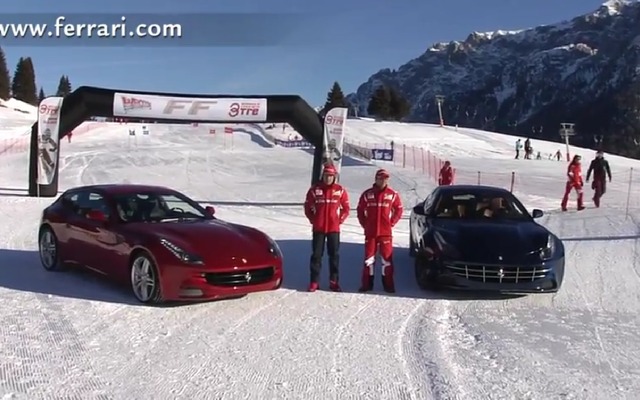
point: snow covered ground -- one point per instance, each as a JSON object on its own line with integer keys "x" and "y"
{"x": 69, "y": 335}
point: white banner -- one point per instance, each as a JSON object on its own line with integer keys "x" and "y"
{"x": 48, "y": 138}
{"x": 189, "y": 108}
{"x": 334, "y": 126}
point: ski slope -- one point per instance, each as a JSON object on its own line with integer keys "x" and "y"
{"x": 70, "y": 335}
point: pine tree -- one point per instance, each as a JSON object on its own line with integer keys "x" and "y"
{"x": 380, "y": 103}
{"x": 41, "y": 95}
{"x": 335, "y": 98}
{"x": 24, "y": 82}
{"x": 64, "y": 86}
{"x": 5, "y": 78}
{"x": 17, "y": 84}
{"x": 398, "y": 105}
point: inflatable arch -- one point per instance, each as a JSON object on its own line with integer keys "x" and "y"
{"x": 57, "y": 116}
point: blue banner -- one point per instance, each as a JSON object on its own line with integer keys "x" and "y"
{"x": 292, "y": 143}
{"x": 382, "y": 154}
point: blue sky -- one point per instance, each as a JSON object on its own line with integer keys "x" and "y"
{"x": 352, "y": 39}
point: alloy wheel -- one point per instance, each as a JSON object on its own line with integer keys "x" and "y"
{"x": 48, "y": 249}
{"x": 144, "y": 282}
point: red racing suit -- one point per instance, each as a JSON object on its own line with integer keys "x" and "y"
{"x": 574, "y": 182}
{"x": 379, "y": 210}
{"x": 326, "y": 207}
{"x": 446, "y": 176}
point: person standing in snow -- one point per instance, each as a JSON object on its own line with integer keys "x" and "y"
{"x": 379, "y": 210}
{"x": 518, "y": 148}
{"x": 446, "y": 174}
{"x": 574, "y": 182}
{"x": 601, "y": 171}
{"x": 326, "y": 207}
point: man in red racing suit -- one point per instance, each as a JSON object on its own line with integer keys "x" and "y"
{"x": 379, "y": 210}
{"x": 446, "y": 174}
{"x": 574, "y": 182}
{"x": 326, "y": 207}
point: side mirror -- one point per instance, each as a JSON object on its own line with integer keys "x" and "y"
{"x": 96, "y": 215}
{"x": 210, "y": 210}
{"x": 419, "y": 209}
{"x": 537, "y": 213}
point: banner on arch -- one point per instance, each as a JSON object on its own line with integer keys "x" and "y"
{"x": 48, "y": 138}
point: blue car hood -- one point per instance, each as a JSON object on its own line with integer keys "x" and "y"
{"x": 493, "y": 242}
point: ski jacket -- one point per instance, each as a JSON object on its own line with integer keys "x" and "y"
{"x": 574, "y": 174}
{"x": 326, "y": 207}
{"x": 600, "y": 169}
{"x": 379, "y": 210}
{"x": 446, "y": 176}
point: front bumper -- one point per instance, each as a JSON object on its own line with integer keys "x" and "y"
{"x": 194, "y": 283}
{"x": 540, "y": 278}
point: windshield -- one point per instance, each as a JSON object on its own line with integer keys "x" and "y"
{"x": 479, "y": 206}
{"x": 156, "y": 207}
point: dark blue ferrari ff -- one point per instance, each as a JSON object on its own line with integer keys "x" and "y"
{"x": 483, "y": 238}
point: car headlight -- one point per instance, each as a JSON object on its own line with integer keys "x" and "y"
{"x": 181, "y": 254}
{"x": 549, "y": 250}
{"x": 274, "y": 248}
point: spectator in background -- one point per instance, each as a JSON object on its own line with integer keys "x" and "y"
{"x": 574, "y": 182}
{"x": 518, "y": 148}
{"x": 601, "y": 171}
{"x": 446, "y": 174}
{"x": 527, "y": 149}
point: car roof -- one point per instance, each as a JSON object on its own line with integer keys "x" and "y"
{"x": 125, "y": 188}
{"x": 473, "y": 189}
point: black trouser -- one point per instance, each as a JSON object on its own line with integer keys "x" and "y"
{"x": 317, "y": 250}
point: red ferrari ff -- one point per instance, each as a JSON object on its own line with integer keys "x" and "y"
{"x": 160, "y": 242}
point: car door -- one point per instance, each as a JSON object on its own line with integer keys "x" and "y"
{"x": 95, "y": 238}
{"x": 68, "y": 244}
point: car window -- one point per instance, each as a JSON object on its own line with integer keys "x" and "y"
{"x": 156, "y": 207}
{"x": 92, "y": 201}
{"x": 70, "y": 201}
{"x": 428, "y": 202}
{"x": 479, "y": 206}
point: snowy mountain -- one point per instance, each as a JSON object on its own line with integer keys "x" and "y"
{"x": 517, "y": 81}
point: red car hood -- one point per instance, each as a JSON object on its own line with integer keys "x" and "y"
{"x": 219, "y": 243}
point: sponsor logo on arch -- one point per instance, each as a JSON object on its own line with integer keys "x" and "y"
{"x": 189, "y": 108}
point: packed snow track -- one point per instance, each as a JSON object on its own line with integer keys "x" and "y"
{"x": 71, "y": 335}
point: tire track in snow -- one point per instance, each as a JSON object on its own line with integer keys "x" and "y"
{"x": 64, "y": 352}
{"x": 603, "y": 257}
{"x": 405, "y": 351}
{"x": 337, "y": 348}
{"x": 197, "y": 346}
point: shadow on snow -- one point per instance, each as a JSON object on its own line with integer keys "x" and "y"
{"x": 255, "y": 137}
{"x": 296, "y": 273}
{"x": 21, "y": 270}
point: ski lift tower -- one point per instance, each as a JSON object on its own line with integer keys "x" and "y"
{"x": 567, "y": 131}
{"x": 439, "y": 101}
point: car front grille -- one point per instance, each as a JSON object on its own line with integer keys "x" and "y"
{"x": 240, "y": 277}
{"x": 499, "y": 273}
